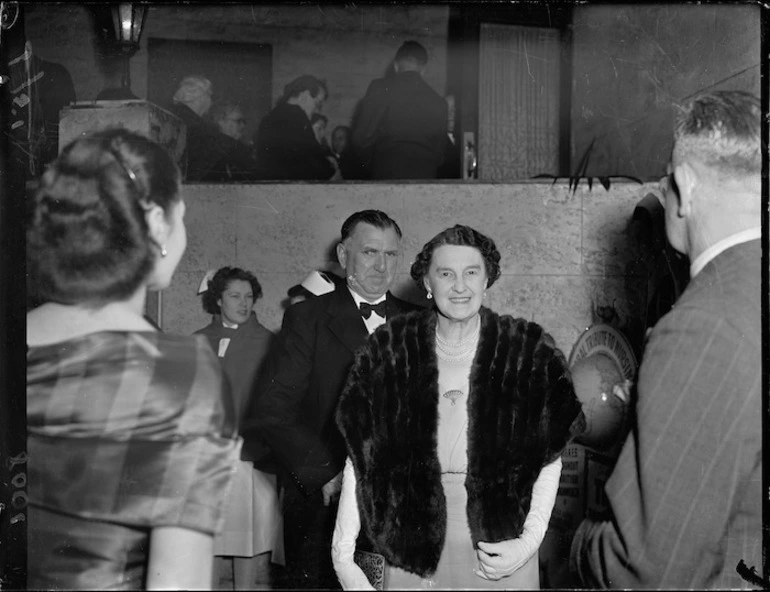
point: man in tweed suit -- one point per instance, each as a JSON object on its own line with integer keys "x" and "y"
{"x": 686, "y": 493}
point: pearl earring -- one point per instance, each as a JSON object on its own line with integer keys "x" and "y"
{"x": 163, "y": 251}
{"x": 430, "y": 295}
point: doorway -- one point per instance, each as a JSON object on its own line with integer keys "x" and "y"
{"x": 510, "y": 68}
{"x": 519, "y": 74}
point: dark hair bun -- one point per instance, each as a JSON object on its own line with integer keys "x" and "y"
{"x": 87, "y": 236}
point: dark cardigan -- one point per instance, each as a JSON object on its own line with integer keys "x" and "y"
{"x": 522, "y": 411}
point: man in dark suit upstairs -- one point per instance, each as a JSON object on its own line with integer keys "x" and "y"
{"x": 294, "y": 413}
{"x": 686, "y": 492}
{"x": 400, "y": 127}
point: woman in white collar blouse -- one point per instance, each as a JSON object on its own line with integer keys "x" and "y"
{"x": 253, "y": 531}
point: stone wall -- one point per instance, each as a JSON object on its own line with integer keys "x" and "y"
{"x": 632, "y": 63}
{"x": 563, "y": 253}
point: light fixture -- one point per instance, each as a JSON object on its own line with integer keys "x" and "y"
{"x": 128, "y": 20}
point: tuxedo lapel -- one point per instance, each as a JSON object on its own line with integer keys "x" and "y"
{"x": 345, "y": 322}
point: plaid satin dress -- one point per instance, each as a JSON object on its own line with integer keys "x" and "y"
{"x": 127, "y": 431}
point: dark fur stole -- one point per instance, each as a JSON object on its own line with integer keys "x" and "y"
{"x": 522, "y": 411}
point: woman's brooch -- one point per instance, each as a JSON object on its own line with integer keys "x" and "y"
{"x": 453, "y": 395}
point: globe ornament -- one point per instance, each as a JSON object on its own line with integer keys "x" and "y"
{"x": 601, "y": 360}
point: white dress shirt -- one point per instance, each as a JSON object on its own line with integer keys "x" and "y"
{"x": 225, "y": 341}
{"x": 374, "y": 319}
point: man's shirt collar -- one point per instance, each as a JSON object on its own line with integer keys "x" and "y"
{"x": 718, "y": 247}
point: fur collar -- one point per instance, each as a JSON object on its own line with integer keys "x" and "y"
{"x": 522, "y": 411}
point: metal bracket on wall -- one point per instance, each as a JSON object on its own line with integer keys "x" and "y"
{"x": 470, "y": 156}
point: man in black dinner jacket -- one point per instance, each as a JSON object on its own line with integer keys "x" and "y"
{"x": 399, "y": 130}
{"x": 294, "y": 413}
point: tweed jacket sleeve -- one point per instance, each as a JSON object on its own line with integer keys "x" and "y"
{"x": 690, "y": 469}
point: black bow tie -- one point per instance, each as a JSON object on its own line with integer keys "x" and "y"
{"x": 367, "y": 309}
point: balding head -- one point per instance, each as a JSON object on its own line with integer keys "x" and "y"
{"x": 722, "y": 131}
{"x": 714, "y": 186}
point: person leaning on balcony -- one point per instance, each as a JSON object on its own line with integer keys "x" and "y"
{"x": 210, "y": 155}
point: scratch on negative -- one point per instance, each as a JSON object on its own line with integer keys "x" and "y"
{"x": 526, "y": 57}
{"x": 272, "y": 208}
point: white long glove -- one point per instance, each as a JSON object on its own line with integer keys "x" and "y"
{"x": 346, "y": 530}
{"x": 499, "y": 560}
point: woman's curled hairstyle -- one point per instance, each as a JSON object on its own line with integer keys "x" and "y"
{"x": 88, "y": 239}
{"x": 218, "y": 284}
{"x": 461, "y": 236}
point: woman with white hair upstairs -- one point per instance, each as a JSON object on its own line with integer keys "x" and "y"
{"x": 207, "y": 149}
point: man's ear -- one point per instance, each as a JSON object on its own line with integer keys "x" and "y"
{"x": 686, "y": 178}
{"x": 157, "y": 224}
{"x": 342, "y": 255}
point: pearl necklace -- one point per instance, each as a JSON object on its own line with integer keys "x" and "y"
{"x": 462, "y": 350}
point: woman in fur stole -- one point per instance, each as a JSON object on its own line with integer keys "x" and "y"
{"x": 253, "y": 529}
{"x": 455, "y": 419}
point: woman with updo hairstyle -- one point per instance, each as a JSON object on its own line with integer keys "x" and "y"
{"x": 252, "y": 534}
{"x": 131, "y": 432}
{"x": 455, "y": 419}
